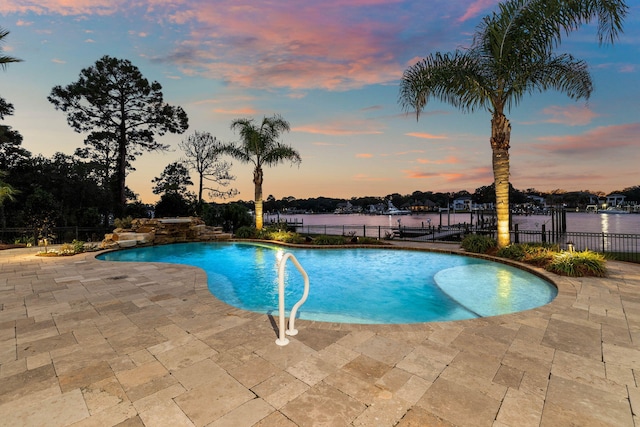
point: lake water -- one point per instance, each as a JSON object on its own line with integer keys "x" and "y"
{"x": 576, "y": 221}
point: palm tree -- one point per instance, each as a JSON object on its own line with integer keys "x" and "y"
{"x": 511, "y": 55}
{"x": 259, "y": 145}
{"x": 4, "y": 59}
{"x": 6, "y": 191}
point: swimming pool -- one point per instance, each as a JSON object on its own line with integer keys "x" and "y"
{"x": 356, "y": 285}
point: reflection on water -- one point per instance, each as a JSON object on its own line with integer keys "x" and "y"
{"x": 605, "y": 222}
{"x": 576, "y": 221}
{"x": 503, "y": 294}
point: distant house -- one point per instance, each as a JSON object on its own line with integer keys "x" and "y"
{"x": 615, "y": 199}
{"x": 537, "y": 200}
{"x": 462, "y": 203}
{"x": 344, "y": 208}
{"x": 594, "y": 199}
{"x": 376, "y": 209}
{"x": 423, "y": 206}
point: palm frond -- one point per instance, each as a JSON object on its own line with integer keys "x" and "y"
{"x": 457, "y": 79}
{"x": 535, "y": 27}
{"x": 280, "y": 153}
{"x": 5, "y": 59}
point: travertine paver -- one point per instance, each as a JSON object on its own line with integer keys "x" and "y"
{"x": 85, "y": 343}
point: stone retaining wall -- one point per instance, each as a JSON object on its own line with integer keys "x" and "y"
{"x": 160, "y": 231}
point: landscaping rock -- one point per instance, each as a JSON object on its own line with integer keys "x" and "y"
{"x": 159, "y": 231}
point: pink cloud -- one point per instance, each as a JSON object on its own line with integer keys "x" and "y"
{"x": 482, "y": 174}
{"x": 476, "y": 8}
{"x": 333, "y": 45}
{"x": 570, "y": 115}
{"x": 298, "y": 46}
{"x": 451, "y": 160}
{"x": 603, "y": 139}
{"x": 403, "y": 153}
{"x": 341, "y": 127}
{"x": 236, "y": 112}
{"x": 64, "y": 7}
{"x": 449, "y": 177}
{"x": 364, "y": 155}
{"x": 424, "y": 135}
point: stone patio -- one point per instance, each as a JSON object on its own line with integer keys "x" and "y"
{"x": 92, "y": 343}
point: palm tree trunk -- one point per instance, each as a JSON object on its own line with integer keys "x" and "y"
{"x": 500, "y": 138}
{"x": 257, "y": 180}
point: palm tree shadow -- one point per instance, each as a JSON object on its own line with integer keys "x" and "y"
{"x": 274, "y": 324}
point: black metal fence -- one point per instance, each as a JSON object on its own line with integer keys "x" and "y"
{"x": 622, "y": 246}
{"x": 54, "y": 235}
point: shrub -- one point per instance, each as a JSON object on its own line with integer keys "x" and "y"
{"x": 369, "y": 241}
{"x": 330, "y": 240}
{"x": 246, "y": 232}
{"x": 514, "y": 252}
{"x": 538, "y": 254}
{"x": 66, "y": 249}
{"x": 77, "y": 246}
{"x": 124, "y": 223}
{"x": 478, "y": 244}
{"x": 285, "y": 236}
{"x": 578, "y": 264}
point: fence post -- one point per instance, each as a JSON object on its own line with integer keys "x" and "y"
{"x": 603, "y": 244}
{"x": 516, "y": 236}
{"x": 544, "y": 236}
{"x": 364, "y": 230}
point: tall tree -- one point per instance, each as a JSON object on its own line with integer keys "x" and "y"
{"x": 118, "y": 107}
{"x": 11, "y": 151}
{"x": 259, "y": 145}
{"x": 174, "y": 179}
{"x": 202, "y": 150}
{"x": 172, "y": 184}
{"x": 512, "y": 54}
{"x": 10, "y": 140}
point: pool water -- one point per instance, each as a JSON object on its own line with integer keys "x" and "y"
{"x": 356, "y": 285}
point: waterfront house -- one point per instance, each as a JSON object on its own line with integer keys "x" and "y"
{"x": 344, "y": 208}
{"x": 423, "y": 206}
{"x": 462, "y": 203}
{"x": 615, "y": 199}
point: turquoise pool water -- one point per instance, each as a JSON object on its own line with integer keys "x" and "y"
{"x": 356, "y": 285}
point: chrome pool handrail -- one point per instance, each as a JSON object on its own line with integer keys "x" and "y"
{"x": 282, "y": 339}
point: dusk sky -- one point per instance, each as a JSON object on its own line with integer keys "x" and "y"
{"x": 331, "y": 68}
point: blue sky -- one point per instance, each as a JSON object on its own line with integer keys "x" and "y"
{"x": 331, "y": 69}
